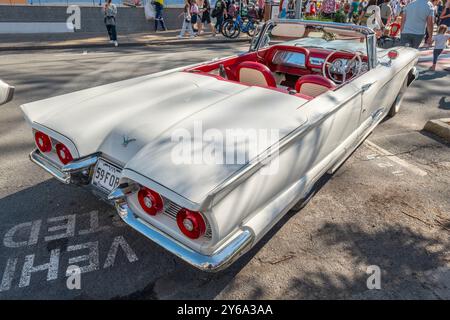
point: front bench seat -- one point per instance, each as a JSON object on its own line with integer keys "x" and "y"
{"x": 314, "y": 85}
{"x": 255, "y": 74}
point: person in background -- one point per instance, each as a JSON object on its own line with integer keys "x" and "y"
{"x": 353, "y": 11}
{"x": 417, "y": 17}
{"x": 206, "y": 17}
{"x": 395, "y": 5}
{"x": 219, "y": 12}
{"x": 110, "y": 12}
{"x": 347, "y": 9}
{"x": 439, "y": 9}
{"x": 187, "y": 24}
{"x": 386, "y": 12}
{"x": 445, "y": 15}
{"x": 159, "y": 7}
{"x": 328, "y": 8}
{"x": 261, "y": 4}
{"x": 232, "y": 10}
{"x": 194, "y": 16}
{"x": 440, "y": 39}
{"x": 291, "y": 9}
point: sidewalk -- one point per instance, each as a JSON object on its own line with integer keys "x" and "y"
{"x": 9, "y": 42}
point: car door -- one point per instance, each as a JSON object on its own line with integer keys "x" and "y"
{"x": 379, "y": 87}
{"x": 6, "y": 92}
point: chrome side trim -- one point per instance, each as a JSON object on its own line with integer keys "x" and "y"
{"x": 223, "y": 257}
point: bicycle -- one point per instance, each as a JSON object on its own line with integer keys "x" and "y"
{"x": 233, "y": 28}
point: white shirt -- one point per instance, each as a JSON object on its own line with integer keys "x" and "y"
{"x": 441, "y": 41}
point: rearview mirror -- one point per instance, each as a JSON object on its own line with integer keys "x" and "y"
{"x": 6, "y": 92}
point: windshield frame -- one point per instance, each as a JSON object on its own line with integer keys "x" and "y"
{"x": 368, "y": 33}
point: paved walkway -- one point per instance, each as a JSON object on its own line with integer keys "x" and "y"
{"x": 81, "y": 40}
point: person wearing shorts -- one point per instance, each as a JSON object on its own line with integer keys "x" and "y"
{"x": 205, "y": 10}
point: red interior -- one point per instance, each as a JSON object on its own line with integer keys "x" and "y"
{"x": 265, "y": 56}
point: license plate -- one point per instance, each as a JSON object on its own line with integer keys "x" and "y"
{"x": 106, "y": 176}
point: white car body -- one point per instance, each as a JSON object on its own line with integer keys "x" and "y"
{"x": 130, "y": 124}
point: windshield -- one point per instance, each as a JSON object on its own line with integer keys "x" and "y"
{"x": 315, "y": 36}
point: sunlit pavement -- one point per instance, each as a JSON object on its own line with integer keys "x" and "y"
{"x": 388, "y": 206}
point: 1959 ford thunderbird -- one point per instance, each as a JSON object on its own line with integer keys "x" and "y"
{"x": 318, "y": 88}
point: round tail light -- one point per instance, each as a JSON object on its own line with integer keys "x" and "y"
{"x": 64, "y": 154}
{"x": 43, "y": 141}
{"x": 191, "y": 223}
{"x": 150, "y": 201}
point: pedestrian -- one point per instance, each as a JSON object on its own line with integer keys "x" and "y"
{"x": 328, "y": 8}
{"x": 206, "y": 18}
{"x": 417, "y": 17}
{"x": 187, "y": 25}
{"x": 445, "y": 15}
{"x": 110, "y": 12}
{"x": 219, "y": 12}
{"x": 194, "y": 16}
{"x": 261, "y": 4}
{"x": 291, "y": 9}
{"x": 440, "y": 43}
{"x": 353, "y": 11}
{"x": 371, "y": 16}
{"x": 159, "y": 7}
{"x": 386, "y": 12}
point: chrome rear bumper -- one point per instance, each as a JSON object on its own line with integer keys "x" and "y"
{"x": 221, "y": 259}
{"x": 76, "y": 172}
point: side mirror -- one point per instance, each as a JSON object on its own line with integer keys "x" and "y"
{"x": 6, "y": 92}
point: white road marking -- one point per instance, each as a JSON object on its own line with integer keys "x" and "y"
{"x": 28, "y": 235}
{"x": 29, "y": 268}
{"x": 111, "y": 258}
{"x": 92, "y": 257}
{"x": 69, "y": 227}
{"x": 408, "y": 166}
{"x": 8, "y": 275}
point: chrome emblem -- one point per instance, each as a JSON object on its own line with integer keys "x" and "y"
{"x": 126, "y": 141}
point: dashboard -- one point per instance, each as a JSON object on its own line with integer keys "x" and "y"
{"x": 290, "y": 59}
{"x": 302, "y": 60}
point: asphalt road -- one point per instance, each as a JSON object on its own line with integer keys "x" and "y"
{"x": 388, "y": 206}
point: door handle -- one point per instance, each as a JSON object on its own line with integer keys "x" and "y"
{"x": 366, "y": 87}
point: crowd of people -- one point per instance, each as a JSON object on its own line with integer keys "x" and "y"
{"x": 409, "y": 21}
{"x": 197, "y": 14}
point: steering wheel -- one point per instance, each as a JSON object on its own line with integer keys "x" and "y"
{"x": 341, "y": 68}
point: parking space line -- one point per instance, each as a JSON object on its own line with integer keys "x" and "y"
{"x": 408, "y": 166}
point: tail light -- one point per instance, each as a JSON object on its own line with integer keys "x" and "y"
{"x": 64, "y": 154}
{"x": 43, "y": 141}
{"x": 150, "y": 201}
{"x": 191, "y": 223}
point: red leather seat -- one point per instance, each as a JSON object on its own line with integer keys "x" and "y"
{"x": 255, "y": 73}
{"x": 314, "y": 85}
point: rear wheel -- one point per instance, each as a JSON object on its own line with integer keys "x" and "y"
{"x": 230, "y": 30}
{"x": 395, "y": 108}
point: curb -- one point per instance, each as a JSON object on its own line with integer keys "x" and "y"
{"x": 440, "y": 127}
{"x": 126, "y": 44}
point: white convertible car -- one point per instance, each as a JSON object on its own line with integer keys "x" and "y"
{"x": 320, "y": 87}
